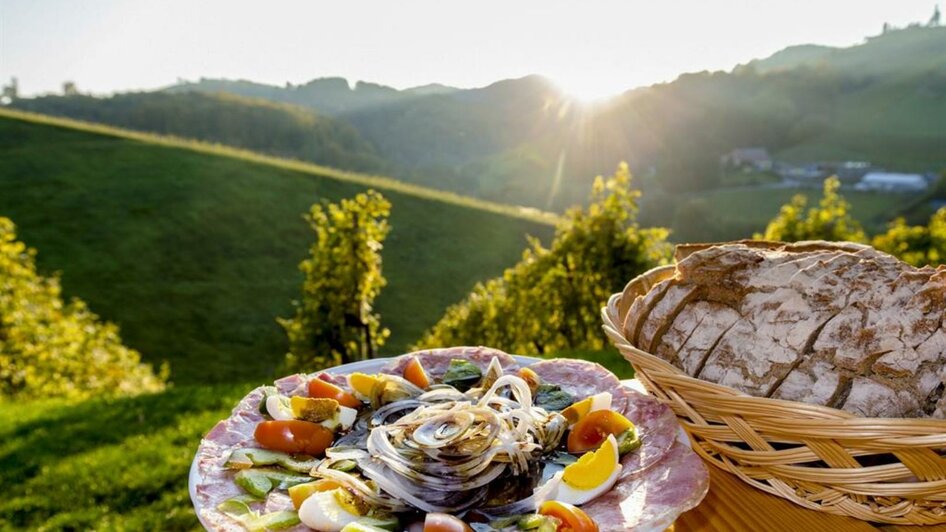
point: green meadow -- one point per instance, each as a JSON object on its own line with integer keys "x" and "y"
{"x": 193, "y": 249}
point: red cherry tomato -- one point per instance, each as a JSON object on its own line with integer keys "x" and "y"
{"x": 437, "y": 522}
{"x": 573, "y": 519}
{"x": 294, "y": 436}
{"x": 327, "y": 390}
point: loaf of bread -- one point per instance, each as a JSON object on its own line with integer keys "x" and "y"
{"x": 835, "y": 324}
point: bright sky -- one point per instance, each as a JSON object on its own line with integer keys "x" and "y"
{"x": 590, "y": 48}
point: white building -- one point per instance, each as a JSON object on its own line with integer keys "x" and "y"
{"x": 892, "y": 182}
{"x": 757, "y": 158}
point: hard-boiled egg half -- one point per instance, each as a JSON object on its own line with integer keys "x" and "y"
{"x": 323, "y": 511}
{"x": 362, "y": 385}
{"x": 581, "y": 409}
{"x": 280, "y": 407}
{"x": 591, "y": 476}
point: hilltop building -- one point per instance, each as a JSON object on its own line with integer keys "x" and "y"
{"x": 755, "y": 158}
{"x": 892, "y": 182}
{"x": 849, "y": 172}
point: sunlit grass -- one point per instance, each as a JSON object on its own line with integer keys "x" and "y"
{"x": 379, "y": 182}
{"x": 105, "y": 464}
{"x": 195, "y": 255}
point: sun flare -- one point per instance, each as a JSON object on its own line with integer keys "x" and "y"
{"x": 586, "y": 89}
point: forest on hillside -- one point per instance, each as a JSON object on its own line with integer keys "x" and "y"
{"x": 523, "y": 141}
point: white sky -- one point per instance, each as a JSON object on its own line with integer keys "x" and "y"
{"x": 590, "y": 48}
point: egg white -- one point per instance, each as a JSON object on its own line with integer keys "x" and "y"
{"x": 566, "y": 493}
{"x": 278, "y": 407}
{"x": 346, "y": 416}
{"x": 322, "y": 512}
{"x": 601, "y": 401}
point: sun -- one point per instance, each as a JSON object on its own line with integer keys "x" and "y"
{"x": 587, "y": 89}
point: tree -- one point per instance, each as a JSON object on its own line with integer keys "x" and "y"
{"x": 830, "y": 220}
{"x": 334, "y": 322}
{"x": 49, "y": 347}
{"x": 551, "y": 299}
{"x": 916, "y": 245}
{"x": 10, "y": 92}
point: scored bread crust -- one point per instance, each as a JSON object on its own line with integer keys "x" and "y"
{"x": 836, "y": 324}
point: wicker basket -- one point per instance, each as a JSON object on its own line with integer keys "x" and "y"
{"x": 814, "y": 456}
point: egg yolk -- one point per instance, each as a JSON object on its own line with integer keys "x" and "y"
{"x": 362, "y": 383}
{"x": 578, "y": 410}
{"x": 594, "y": 467}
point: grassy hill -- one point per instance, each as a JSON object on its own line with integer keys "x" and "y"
{"x": 253, "y": 123}
{"x": 739, "y": 212}
{"x": 883, "y": 100}
{"x": 896, "y": 53}
{"x": 524, "y": 142}
{"x": 192, "y": 249}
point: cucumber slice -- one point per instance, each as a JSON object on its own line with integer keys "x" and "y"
{"x": 239, "y": 510}
{"x": 628, "y": 441}
{"x": 389, "y": 523}
{"x": 537, "y": 523}
{"x": 267, "y": 391}
{"x": 259, "y": 482}
{"x": 462, "y": 374}
{"x": 344, "y": 465}
{"x": 253, "y": 482}
{"x": 275, "y": 520}
{"x": 504, "y": 522}
{"x": 235, "y": 508}
{"x": 251, "y": 456}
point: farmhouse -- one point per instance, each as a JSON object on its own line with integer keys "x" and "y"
{"x": 892, "y": 182}
{"x": 757, "y": 158}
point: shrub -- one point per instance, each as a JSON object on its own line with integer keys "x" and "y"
{"x": 918, "y": 245}
{"x": 550, "y": 300}
{"x": 52, "y": 348}
{"x": 830, "y": 220}
{"x": 334, "y": 322}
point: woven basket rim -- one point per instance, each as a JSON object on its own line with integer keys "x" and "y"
{"x": 817, "y": 457}
{"x": 610, "y": 315}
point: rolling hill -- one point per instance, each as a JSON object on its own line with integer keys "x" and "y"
{"x": 330, "y": 96}
{"x": 252, "y": 123}
{"x": 192, "y": 249}
{"x": 524, "y": 142}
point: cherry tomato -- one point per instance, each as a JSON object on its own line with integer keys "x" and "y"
{"x": 294, "y": 436}
{"x": 436, "y": 522}
{"x": 573, "y": 519}
{"x": 414, "y": 372}
{"x": 590, "y": 432}
{"x": 327, "y": 390}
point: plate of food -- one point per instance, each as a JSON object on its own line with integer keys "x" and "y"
{"x": 465, "y": 438}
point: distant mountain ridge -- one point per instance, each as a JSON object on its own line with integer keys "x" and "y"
{"x": 330, "y": 96}
{"x": 896, "y": 52}
{"x": 522, "y": 141}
